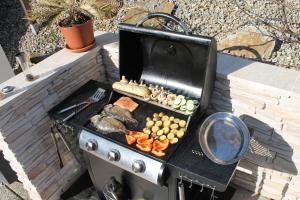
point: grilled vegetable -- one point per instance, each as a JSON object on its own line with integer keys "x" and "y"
{"x": 147, "y": 131}
{"x": 154, "y": 129}
{"x": 182, "y": 123}
{"x": 160, "y": 132}
{"x": 158, "y": 153}
{"x": 149, "y": 124}
{"x": 144, "y": 147}
{"x": 179, "y": 133}
{"x": 163, "y": 137}
{"x": 174, "y": 126}
{"x": 167, "y": 123}
{"x": 159, "y": 123}
{"x": 174, "y": 140}
{"x": 130, "y": 139}
{"x": 160, "y": 145}
{"x": 170, "y": 136}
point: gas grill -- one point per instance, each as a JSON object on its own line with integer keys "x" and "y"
{"x": 181, "y": 62}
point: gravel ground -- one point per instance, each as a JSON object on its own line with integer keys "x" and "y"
{"x": 218, "y": 18}
{"x": 12, "y": 27}
{"x": 18, "y": 193}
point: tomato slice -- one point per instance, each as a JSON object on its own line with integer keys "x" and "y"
{"x": 161, "y": 145}
{"x": 144, "y": 147}
{"x": 144, "y": 141}
{"x": 158, "y": 153}
{"x": 130, "y": 139}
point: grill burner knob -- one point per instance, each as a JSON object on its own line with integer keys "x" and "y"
{"x": 114, "y": 155}
{"x": 91, "y": 145}
{"x": 138, "y": 166}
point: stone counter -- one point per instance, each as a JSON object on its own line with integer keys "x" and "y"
{"x": 266, "y": 97}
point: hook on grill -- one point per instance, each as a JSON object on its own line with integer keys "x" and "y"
{"x": 202, "y": 187}
{"x": 180, "y": 182}
{"x": 191, "y": 183}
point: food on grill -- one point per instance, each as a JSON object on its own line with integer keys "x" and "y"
{"x": 154, "y": 129}
{"x": 130, "y": 139}
{"x": 149, "y": 124}
{"x": 144, "y": 143}
{"x": 147, "y": 131}
{"x": 107, "y": 124}
{"x": 184, "y": 104}
{"x": 132, "y": 87}
{"x": 170, "y": 136}
{"x": 126, "y": 103}
{"x": 163, "y": 127}
{"x": 179, "y": 133}
{"x": 174, "y": 140}
{"x": 182, "y": 123}
{"x": 160, "y": 131}
{"x": 157, "y": 94}
{"x": 163, "y": 137}
{"x": 120, "y": 114}
{"x": 144, "y": 147}
{"x": 158, "y": 153}
{"x": 160, "y": 145}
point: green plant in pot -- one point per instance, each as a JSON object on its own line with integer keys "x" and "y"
{"x": 75, "y": 18}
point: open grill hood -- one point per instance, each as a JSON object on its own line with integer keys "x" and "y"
{"x": 181, "y": 62}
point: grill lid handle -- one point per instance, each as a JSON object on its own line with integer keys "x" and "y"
{"x": 167, "y": 16}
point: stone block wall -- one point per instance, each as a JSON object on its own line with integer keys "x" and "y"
{"x": 267, "y": 99}
{"x": 25, "y": 125}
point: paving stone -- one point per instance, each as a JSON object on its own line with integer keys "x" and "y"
{"x": 248, "y": 44}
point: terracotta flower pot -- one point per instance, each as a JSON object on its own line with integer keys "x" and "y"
{"x": 79, "y": 37}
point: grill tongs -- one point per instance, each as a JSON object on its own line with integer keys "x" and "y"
{"x": 97, "y": 96}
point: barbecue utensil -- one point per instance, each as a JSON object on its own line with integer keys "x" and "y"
{"x": 224, "y": 138}
{"x": 181, "y": 189}
{"x": 97, "y": 96}
{"x": 94, "y": 98}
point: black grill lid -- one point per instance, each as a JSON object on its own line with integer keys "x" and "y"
{"x": 182, "y": 62}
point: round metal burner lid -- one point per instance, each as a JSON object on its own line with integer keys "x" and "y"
{"x": 224, "y": 138}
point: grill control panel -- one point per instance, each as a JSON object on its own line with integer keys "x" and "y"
{"x": 131, "y": 161}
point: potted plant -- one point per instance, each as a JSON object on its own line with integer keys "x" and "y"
{"x": 74, "y": 18}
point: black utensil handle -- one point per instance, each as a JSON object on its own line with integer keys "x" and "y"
{"x": 167, "y": 16}
{"x": 61, "y": 164}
